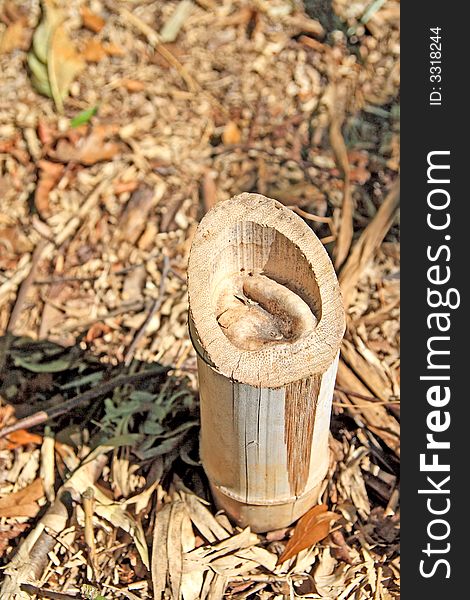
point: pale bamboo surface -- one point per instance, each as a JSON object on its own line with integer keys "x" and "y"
{"x": 266, "y": 319}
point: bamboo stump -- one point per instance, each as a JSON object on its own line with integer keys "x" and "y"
{"x": 266, "y": 320}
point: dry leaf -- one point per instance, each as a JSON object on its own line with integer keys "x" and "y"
{"x": 374, "y": 414}
{"x": 340, "y": 550}
{"x": 312, "y": 527}
{"x": 7, "y": 412}
{"x": 160, "y": 551}
{"x": 46, "y": 132}
{"x": 175, "y": 546}
{"x": 22, "y": 503}
{"x": 90, "y": 149}
{"x": 22, "y": 437}
{"x": 136, "y": 213}
{"x": 53, "y": 61}
{"x": 91, "y": 20}
{"x": 49, "y": 175}
{"x": 115, "y": 514}
{"x": 329, "y": 581}
{"x": 63, "y": 65}
{"x": 203, "y": 519}
{"x": 231, "y": 134}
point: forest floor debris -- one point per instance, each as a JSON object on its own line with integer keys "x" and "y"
{"x": 135, "y": 120}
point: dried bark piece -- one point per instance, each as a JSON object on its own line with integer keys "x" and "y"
{"x": 91, "y": 20}
{"x": 231, "y": 134}
{"x": 133, "y": 220}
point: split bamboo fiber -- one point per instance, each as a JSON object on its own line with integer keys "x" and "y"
{"x": 266, "y": 319}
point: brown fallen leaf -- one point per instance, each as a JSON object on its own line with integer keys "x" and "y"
{"x": 312, "y": 527}
{"x": 231, "y": 134}
{"x": 89, "y": 149}
{"x": 22, "y": 503}
{"x": 53, "y": 60}
{"x": 22, "y": 437}
{"x": 135, "y": 215}
{"x": 63, "y": 65}
{"x": 91, "y": 20}
{"x": 49, "y": 175}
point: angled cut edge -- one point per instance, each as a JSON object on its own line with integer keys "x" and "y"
{"x": 251, "y": 231}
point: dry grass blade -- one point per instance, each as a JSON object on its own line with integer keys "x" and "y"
{"x": 159, "y": 565}
{"x": 345, "y": 234}
{"x": 47, "y": 471}
{"x": 155, "y": 41}
{"x": 170, "y": 30}
{"x": 175, "y": 547}
{"x": 203, "y": 519}
{"x": 375, "y": 415}
{"x": 370, "y": 371}
{"x": 370, "y": 240}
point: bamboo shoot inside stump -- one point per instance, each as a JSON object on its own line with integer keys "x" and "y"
{"x": 266, "y": 320}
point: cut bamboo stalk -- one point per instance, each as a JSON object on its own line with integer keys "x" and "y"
{"x": 266, "y": 319}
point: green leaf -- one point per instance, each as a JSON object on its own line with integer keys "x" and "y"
{"x": 39, "y": 77}
{"x": 142, "y": 396}
{"x": 150, "y": 428}
{"x": 128, "y": 439}
{"x": 84, "y": 116}
{"x": 53, "y": 366}
{"x": 85, "y": 380}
